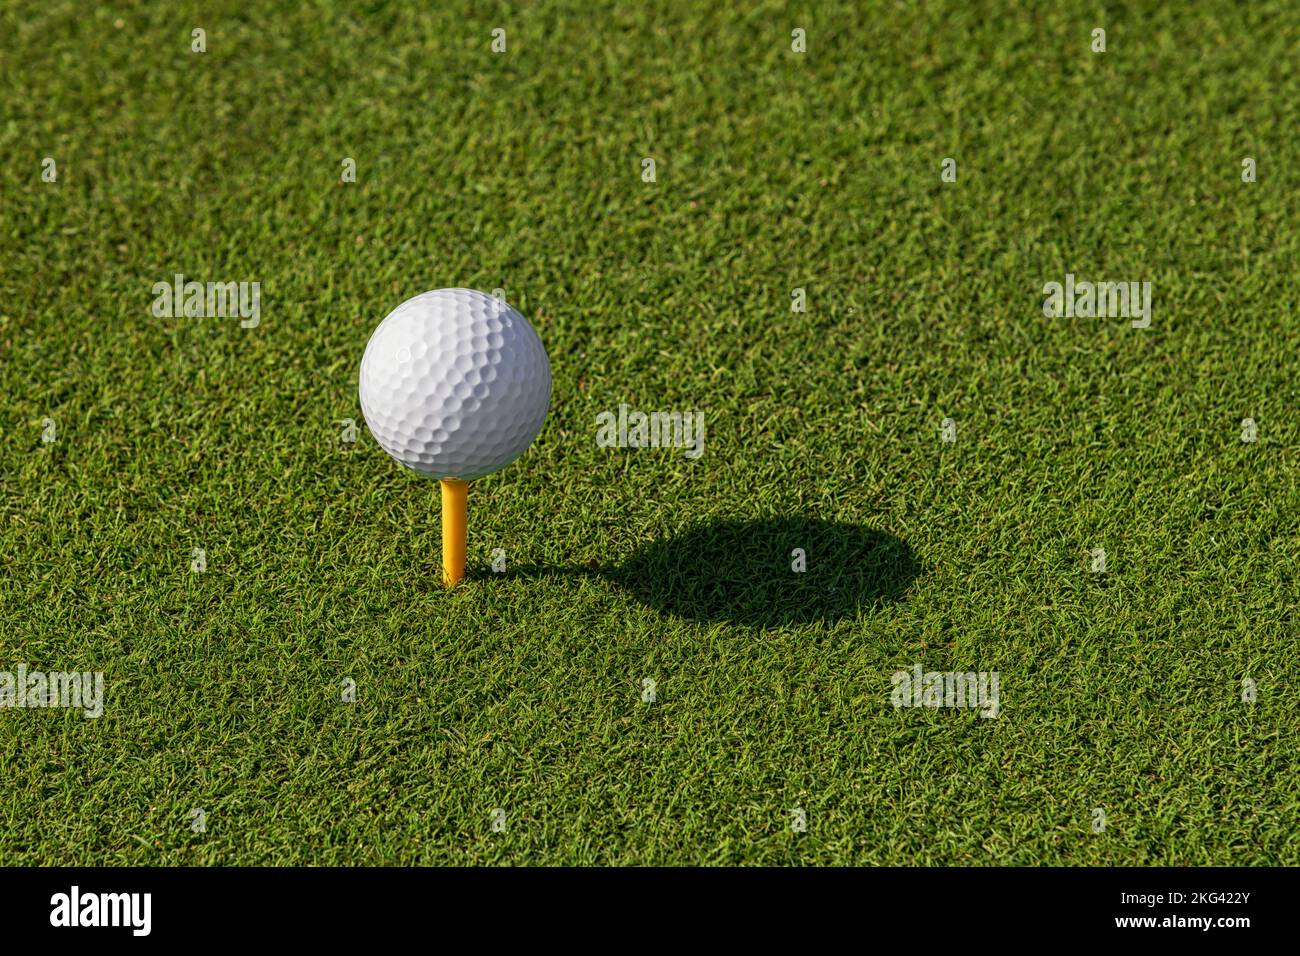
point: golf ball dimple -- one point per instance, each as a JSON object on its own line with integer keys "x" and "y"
{"x": 455, "y": 384}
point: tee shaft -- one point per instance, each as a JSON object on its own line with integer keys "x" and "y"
{"x": 455, "y": 513}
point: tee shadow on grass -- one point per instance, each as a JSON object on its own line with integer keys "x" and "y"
{"x": 742, "y": 571}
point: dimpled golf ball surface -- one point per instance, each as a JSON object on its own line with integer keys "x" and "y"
{"x": 455, "y": 384}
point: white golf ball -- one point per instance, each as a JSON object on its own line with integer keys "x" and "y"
{"x": 455, "y": 384}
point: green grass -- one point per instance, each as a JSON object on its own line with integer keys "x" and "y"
{"x": 1120, "y": 691}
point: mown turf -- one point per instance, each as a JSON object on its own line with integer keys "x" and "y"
{"x": 1120, "y": 691}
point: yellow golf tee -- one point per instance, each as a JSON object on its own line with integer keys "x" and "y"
{"x": 455, "y": 514}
